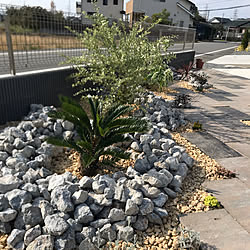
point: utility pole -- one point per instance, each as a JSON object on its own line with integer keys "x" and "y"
{"x": 235, "y": 14}
{"x": 69, "y": 8}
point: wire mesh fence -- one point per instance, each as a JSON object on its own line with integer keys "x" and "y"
{"x": 33, "y": 38}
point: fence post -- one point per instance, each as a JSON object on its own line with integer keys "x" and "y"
{"x": 193, "y": 39}
{"x": 10, "y": 46}
{"x": 185, "y": 39}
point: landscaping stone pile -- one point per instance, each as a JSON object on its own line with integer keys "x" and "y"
{"x": 41, "y": 210}
{"x": 198, "y": 80}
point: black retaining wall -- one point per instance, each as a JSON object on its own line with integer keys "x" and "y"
{"x": 18, "y": 92}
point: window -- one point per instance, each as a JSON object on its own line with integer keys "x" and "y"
{"x": 105, "y": 2}
{"x": 181, "y": 23}
{"x": 163, "y": 1}
{"x": 115, "y": 2}
{"x": 88, "y": 1}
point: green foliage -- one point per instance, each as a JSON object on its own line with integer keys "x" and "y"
{"x": 245, "y": 40}
{"x": 34, "y": 18}
{"x": 162, "y": 17}
{"x": 211, "y": 201}
{"x": 197, "y": 126}
{"x": 122, "y": 62}
{"x": 97, "y": 136}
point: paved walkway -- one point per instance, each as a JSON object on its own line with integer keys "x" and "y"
{"x": 221, "y": 111}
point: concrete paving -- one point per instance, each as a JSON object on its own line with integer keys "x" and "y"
{"x": 221, "y": 110}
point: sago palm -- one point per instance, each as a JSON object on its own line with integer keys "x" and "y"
{"x": 97, "y": 135}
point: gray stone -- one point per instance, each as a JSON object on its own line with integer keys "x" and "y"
{"x": 17, "y": 198}
{"x": 20, "y": 246}
{"x": 120, "y": 224}
{"x": 140, "y": 166}
{"x": 42, "y": 242}
{"x": 187, "y": 159}
{"x": 176, "y": 183}
{"x": 28, "y": 151}
{"x": 44, "y": 172}
{"x": 116, "y": 214}
{"x": 58, "y": 129}
{"x": 155, "y": 144}
{"x": 31, "y": 188}
{"x": 120, "y": 193}
{"x": 67, "y": 135}
{"x": 126, "y": 234}
{"x": 150, "y": 192}
{"x": 61, "y": 198}
{"x": 146, "y": 138}
{"x": 66, "y": 241}
{"x": 98, "y": 187}
{"x": 32, "y": 234}
{"x": 135, "y": 146}
{"x": 21, "y": 167}
{"x": 95, "y": 209}
{"x": 3, "y": 156}
{"x": 131, "y": 208}
{"x": 172, "y": 163}
{"x": 141, "y": 223}
{"x": 160, "y": 200}
{"x": 157, "y": 152}
{"x": 31, "y": 176}
{"x": 154, "y": 218}
{"x": 4, "y": 204}
{"x": 86, "y": 182}
{"x": 68, "y": 125}
{"x": 152, "y": 180}
{"x": 8, "y": 215}
{"x": 74, "y": 225}
{"x": 98, "y": 199}
{"x": 15, "y": 237}
{"x": 172, "y": 194}
{"x": 107, "y": 233}
{"x": 146, "y": 149}
{"x": 182, "y": 170}
{"x": 56, "y": 181}
{"x": 31, "y": 215}
{"x": 99, "y": 223}
{"x": 5, "y": 227}
{"x": 131, "y": 172}
{"x": 17, "y": 133}
{"x": 88, "y": 232}
{"x": 87, "y": 245}
{"x": 55, "y": 224}
{"x": 161, "y": 165}
{"x": 79, "y": 197}
{"x": 161, "y": 212}
{"x": 83, "y": 214}
{"x": 11, "y": 161}
{"x": 152, "y": 159}
{"x": 36, "y": 142}
{"x": 146, "y": 207}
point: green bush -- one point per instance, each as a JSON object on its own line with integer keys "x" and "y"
{"x": 245, "y": 40}
{"x": 197, "y": 126}
{"x": 97, "y": 136}
{"x": 211, "y": 201}
{"x": 121, "y": 60}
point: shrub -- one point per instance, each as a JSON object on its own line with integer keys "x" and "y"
{"x": 245, "y": 40}
{"x": 197, "y": 126}
{"x": 121, "y": 61}
{"x": 211, "y": 201}
{"x": 97, "y": 136}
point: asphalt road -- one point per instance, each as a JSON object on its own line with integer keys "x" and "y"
{"x": 39, "y": 60}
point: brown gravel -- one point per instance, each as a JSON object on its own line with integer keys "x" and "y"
{"x": 3, "y": 243}
{"x": 246, "y": 122}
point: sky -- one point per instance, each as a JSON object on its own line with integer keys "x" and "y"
{"x": 69, "y": 6}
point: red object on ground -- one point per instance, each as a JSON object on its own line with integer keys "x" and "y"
{"x": 199, "y": 63}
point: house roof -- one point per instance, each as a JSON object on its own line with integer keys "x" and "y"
{"x": 220, "y": 19}
{"x": 238, "y": 23}
{"x": 185, "y": 9}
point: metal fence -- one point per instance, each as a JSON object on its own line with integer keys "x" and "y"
{"x": 35, "y": 38}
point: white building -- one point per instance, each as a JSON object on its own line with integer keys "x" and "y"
{"x": 109, "y": 8}
{"x": 181, "y": 11}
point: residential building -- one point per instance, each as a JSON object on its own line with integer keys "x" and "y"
{"x": 181, "y": 11}
{"x": 219, "y": 20}
{"x": 109, "y": 8}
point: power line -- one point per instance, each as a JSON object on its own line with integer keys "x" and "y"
{"x": 228, "y": 8}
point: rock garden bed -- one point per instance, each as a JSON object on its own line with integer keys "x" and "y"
{"x": 139, "y": 202}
